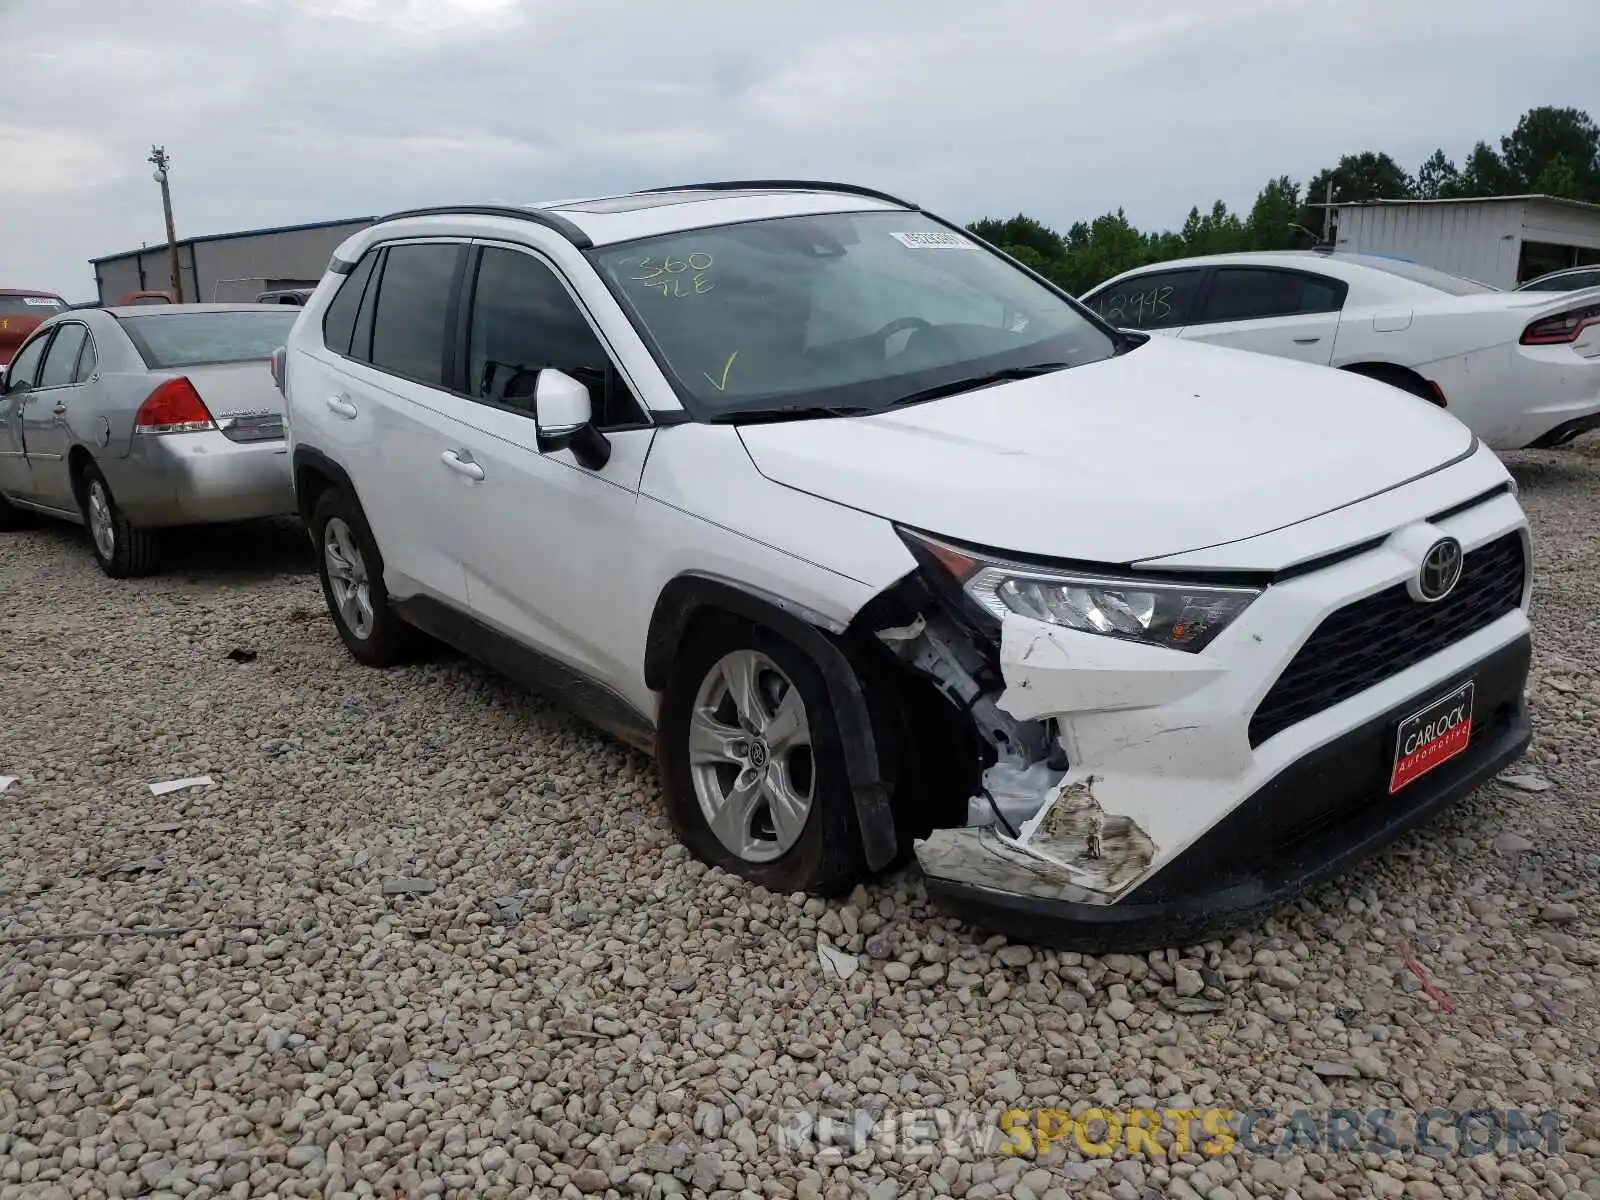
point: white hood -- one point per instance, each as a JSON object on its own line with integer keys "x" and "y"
{"x": 1171, "y": 447}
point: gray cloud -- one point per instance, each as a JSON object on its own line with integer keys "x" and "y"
{"x": 281, "y": 111}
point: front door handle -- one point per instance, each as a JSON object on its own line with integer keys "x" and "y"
{"x": 61, "y": 407}
{"x": 461, "y": 466}
{"x": 1307, "y": 341}
{"x": 342, "y": 407}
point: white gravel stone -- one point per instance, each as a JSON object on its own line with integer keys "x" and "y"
{"x": 426, "y": 935}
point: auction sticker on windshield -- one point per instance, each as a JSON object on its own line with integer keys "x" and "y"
{"x": 1432, "y": 736}
{"x": 933, "y": 239}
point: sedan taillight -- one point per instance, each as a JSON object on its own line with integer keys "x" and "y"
{"x": 1561, "y": 328}
{"x": 174, "y": 407}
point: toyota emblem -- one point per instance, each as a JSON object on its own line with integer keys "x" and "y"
{"x": 1440, "y": 570}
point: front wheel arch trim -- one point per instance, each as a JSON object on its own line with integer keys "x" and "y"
{"x": 690, "y": 596}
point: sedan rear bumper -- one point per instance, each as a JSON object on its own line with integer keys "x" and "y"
{"x": 1310, "y": 822}
{"x": 1566, "y": 432}
{"x": 201, "y": 478}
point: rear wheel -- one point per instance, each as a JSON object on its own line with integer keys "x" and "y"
{"x": 122, "y": 551}
{"x": 351, "y": 570}
{"x": 752, "y": 763}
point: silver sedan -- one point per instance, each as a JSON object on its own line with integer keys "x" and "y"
{"x": 133, "y": 419}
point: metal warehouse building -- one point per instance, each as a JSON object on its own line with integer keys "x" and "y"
{"x": 1502, "y": 240}
{"x": 228, "y": 266}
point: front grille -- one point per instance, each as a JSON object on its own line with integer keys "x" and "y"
{"x": 1374, "y": 639}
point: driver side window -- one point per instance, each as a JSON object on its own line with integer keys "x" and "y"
{"x": 523, "y": 320}
{"x": 24, "y": 368}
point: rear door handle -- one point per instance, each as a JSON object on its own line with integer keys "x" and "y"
{"x": 60, "y": 407}
{"x": 341, "y": 406}
{"x": 461, "y": 466}
{"x": 1307, "y": 341}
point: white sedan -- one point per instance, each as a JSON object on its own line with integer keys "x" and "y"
{"x": 1521, "y": 369}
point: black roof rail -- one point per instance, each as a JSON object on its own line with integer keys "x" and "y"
{"x": 783, "y": 185}
{"x": 539, "y": 216}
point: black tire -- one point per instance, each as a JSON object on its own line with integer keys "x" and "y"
{"x": 387, "y": 641}
{"x": 131, "y": 552}
{"x": 13, "y": 518}
{"x": 826, "y": 859}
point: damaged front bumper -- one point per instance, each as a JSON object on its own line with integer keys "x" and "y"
{"x": 1167, "y": 813}
{"x": 1316, "y": 818}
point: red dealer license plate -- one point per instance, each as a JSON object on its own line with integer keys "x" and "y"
{"x": 1432, "y": 735}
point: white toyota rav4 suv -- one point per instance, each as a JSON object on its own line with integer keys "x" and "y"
{"x": 881, "y": 543}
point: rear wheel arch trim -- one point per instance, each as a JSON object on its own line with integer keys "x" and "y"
{"x": 314, "y": 462}
{"x": 690, "y": 596}
{"x": 1389, "y": 372}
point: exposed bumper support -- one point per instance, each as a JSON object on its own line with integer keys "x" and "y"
{"x": 1310, "y": 822}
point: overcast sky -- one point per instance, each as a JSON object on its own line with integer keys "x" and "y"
{"x": 286, "y": 111}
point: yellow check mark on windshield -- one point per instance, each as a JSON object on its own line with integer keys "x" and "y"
{"x": 722, "y": 384}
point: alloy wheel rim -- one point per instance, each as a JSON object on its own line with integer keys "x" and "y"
{"x": 348, "y": 579}
{"x": 101, "y": 527}
{"x": 750, "y": 756}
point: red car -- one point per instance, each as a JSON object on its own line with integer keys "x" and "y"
{"x": 20, "y": 313}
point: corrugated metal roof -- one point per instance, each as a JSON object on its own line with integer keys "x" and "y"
{"x": 243, "y": 233}
{"x": 1584, "y": 204}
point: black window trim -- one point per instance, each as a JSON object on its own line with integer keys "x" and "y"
{"x": 1203, "y": 296}
{"x": 462, "y": 246}
{"x": 456, "y": 382}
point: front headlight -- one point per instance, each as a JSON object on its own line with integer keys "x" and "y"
{"x": 1179, "y": 616}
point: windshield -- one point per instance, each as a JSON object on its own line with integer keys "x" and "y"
{"x": 1442, "y": 281}
{"x": 178, "y": 339}
{"x": 844, "y": 310}
{"x": 31, "y": 306}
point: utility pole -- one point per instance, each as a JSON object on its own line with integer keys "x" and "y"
{"x": 158, "y": 156}
{"x": 1327, "y": 215}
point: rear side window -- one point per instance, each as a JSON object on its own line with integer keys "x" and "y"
{"x": 88, "y": 361}
{"x": 63, "y": 356}
{"x": 523, "y": 320}
{"x": 1255, "y": 293}
{"x": 1159, "y": 300}
{"x": 187, "y": 339}
{"x": 409, "y": 325}
{"x": 339, "y": 322}
{"x": 1576, "y": 281}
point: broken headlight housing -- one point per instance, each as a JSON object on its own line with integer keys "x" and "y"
{"x": 1179, "y": 616}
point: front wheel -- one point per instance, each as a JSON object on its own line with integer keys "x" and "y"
{"x": 752, "y": 764}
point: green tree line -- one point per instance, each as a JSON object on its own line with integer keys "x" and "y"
{"x": 1554, "y": 151}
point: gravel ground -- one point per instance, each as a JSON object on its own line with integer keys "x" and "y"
{"x": 426, "y": 935}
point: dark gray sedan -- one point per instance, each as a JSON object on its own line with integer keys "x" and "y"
{"x": 129, "y": 420}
